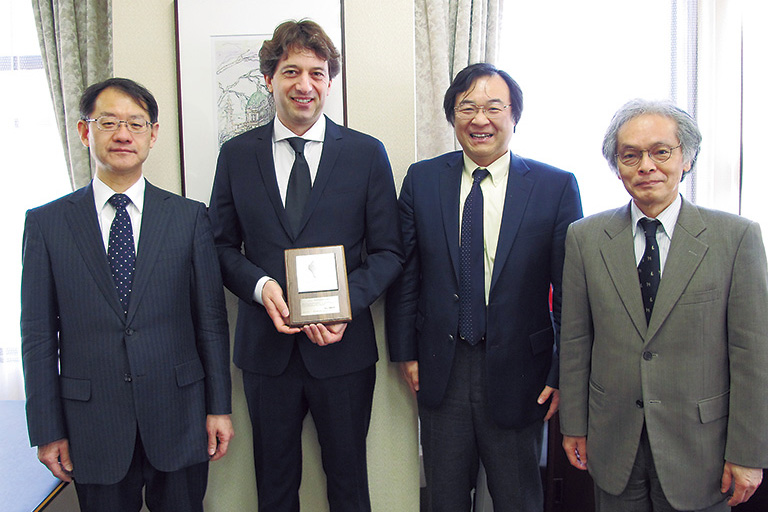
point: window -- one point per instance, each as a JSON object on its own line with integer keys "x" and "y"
{"x": 578, "y": 62}
{"x": 33, "y": 163}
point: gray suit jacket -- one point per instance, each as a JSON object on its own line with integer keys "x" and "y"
{"x": 96, "y": 377}
{"x": 696, "y": 375}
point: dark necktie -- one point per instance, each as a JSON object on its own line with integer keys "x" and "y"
{"x": 299, "y": 185}
{"x": 471, "y": 264}
{"x": 649, "y": 269}
{"x": 121, "y": 252}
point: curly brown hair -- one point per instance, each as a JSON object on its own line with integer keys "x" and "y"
{"x": 297, "y": 35}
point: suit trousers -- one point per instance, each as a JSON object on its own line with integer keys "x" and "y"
{"x": 643, "y": 492}
{"x": 176, "y": 491}
{"x": 341, "y": 410}
{"x": 460, "y": 433}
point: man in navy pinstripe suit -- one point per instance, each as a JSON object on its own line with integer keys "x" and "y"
{"x": 126, "y": 390}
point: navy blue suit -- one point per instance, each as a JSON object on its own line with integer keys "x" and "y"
{"x": 423, "y": 305}
{"x": 352, "y": 203}
{"x": 99, "y": 378}
{"x": 479, "y": 402}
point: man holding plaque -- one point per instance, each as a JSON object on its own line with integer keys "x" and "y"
{"x": 469, "y": 319}
{"x": 303, "y": 182}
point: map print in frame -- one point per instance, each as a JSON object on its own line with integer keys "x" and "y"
{"x": 242, "y": 99}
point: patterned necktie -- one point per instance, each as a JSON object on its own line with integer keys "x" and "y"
{"x": 471, "y": 264}
{"x": 299, "y": 185}
{"x": 121, "y": 252}
{"x": 649, "y": 269}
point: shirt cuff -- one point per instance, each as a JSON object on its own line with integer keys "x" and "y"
{"x": 259, "y": 288}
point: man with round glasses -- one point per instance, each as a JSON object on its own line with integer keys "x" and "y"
{"x": 469, "y": 319}
{"x": 124, "y": 329}
{"x": 664, "y": 333}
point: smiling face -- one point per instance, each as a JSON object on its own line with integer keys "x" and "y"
{"x": 119, "y": 155}
{"x": 653, "y": 186}
{"x": 485, "y": 140}
{"x": 300, "y": 85}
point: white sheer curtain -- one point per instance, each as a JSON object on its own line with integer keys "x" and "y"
{"x": 75, "y": 38}
{"x": 755, "y": 112}
{"x": 450, "y": 35}
{"x": 76, "y": 45}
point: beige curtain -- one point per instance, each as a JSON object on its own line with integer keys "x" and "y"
{"x": 450, "y": 35}
{"x": 76, "y": 45}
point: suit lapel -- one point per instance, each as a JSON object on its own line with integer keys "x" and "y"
{"x": 266, "y": 169}
{"x": 519, "y": 187}
{"x": 685, "y": 255}
{"x": 618, "y": 253}
{"x": 331, "y": 150}
{"x": 450, "y": 186}
{"x": 84, "y": 226}
{"x": 154, "y": 223}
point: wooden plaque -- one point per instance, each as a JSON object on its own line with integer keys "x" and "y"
{"x": 318, "y": 291}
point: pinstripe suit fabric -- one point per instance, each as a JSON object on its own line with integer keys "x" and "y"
{"x": 96, "y": 376}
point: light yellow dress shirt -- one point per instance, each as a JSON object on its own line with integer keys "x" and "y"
{"x": 494, "y": 189}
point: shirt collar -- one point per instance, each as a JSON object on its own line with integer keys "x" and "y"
{"x": 316, "y": 133}
{"x": 102, "y": 192}
{"x": 498, "y": 169}
{"x": 668, "y": 217}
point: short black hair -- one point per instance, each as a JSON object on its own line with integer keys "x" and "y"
{"x": 467, "y": 76}
{"x": 138, "y": 92}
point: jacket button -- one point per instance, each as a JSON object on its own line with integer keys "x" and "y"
{"x": 455, "y": 298}
{"x": 639, "y": 404}
{"x": 129, "y": 331}
{"x": 127, "y": 377}
{"x": 647, "y": 356}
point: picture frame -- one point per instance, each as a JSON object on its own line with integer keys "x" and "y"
{"x": 221, "y": 92}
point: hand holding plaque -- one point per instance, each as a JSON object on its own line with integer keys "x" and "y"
{"x": 318, "y": 291}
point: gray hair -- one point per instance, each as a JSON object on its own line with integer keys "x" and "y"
{"x": 687, "y": 131}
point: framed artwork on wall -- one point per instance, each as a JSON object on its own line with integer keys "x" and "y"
{"x": 220, "y": 88}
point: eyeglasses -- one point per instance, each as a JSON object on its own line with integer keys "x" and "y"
{"x": 659, "y": 153}
{"x": 470, "y": 110}
{"x": 112, "y": 123}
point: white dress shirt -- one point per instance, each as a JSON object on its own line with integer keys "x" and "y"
{"x": 668, "y": 219}
{"x": 283, "y": 156}
{"x": 105, "y": 212}
{"x": 283, "y": 153}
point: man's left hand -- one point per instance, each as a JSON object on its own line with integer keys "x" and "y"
{"x": 324, "y": 334}
{"x": 744, "y": 481}
{"x": 544, "y": 396}
{"x": 220, "y": 433}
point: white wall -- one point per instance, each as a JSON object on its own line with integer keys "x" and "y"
{"x": 380, "y": 98}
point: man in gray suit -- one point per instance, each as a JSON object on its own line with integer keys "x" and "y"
{"x": 663, "y": 378}
{"x": 124, "y": 331}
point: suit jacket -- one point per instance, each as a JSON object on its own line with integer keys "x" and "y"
{"x": 97, "y": 377}
{"x": 423, "y": 306}
{"x": 352, "y": 203}
{"x": 696, "y": 375}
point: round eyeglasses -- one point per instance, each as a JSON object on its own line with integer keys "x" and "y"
{"x": 470, "y": 110}
{"x": 112, "y": 123}
{"x": 659, "y": 153}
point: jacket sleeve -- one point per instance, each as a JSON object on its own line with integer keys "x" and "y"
{"x": 577, "y": 336}
{"x": 210, "y": 318}
{"x": 383, "y": 245}
{"x": 747, "y": 310}
{"x": 403, "y": 296}
{"x": 40, "y": 338}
